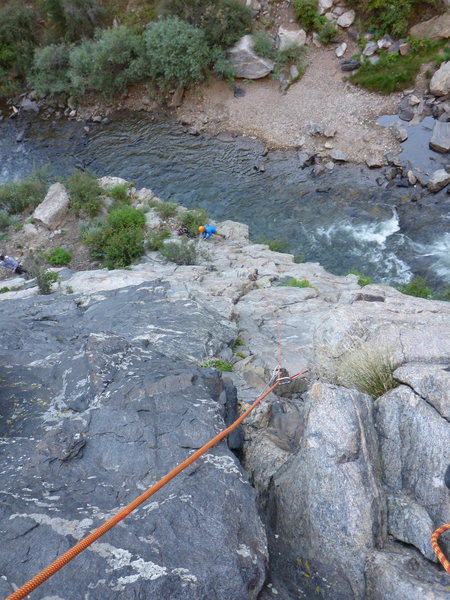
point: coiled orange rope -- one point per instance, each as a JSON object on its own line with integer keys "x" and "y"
{"x": 62, "y": 560}
{"x": 434, "y": 544}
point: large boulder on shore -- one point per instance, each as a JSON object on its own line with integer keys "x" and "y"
{"x": 247, "y": 64}
{"x": 440, "y": 82}
{"x": 437, "y": 28}
{"x": 111, "y": 398}
{"x": 52, "y": 211}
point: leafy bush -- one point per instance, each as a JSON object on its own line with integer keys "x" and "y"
{"x": 305, "y": 12}
{"x": 166, "y": 209}
{"x": 74, "y": 19}
{"x": 84, "y": 191}
{"x": 369, "y": 370}
{"x": 192, "y": 219}
{"x": 18, "y": 34}
{"x": 416, "y": 287}
{"x": 45, "y": 279}
{"x": 177, "y": 54}
{"x": 328, "y": 32}
{"x": 155, "y": 239}
{"x": 50, "y": 70}
{"x": 218, "y": 364}
{"x": 222, "y": 66}
{"x": 119, "y": 193}
{"x": 16, "y": 197}
{"x": 5, "y": 220}
{"x": 263, "y": 44}
{"x": 362, "y": 279}
{"x": 394, "y": 72}
{"x": 120, "y": 239}
{"x": 276, "y": 245}
{"x": 108, "y": 63}
{"x": 58, "y": 257}
{"x": 293, "y": 282}
{"x": 182, "y": 252}
{"x": 223, "y": 21}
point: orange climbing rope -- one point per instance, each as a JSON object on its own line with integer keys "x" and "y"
{"x": 97, "y": 533}
{"x": 434, "y": 544}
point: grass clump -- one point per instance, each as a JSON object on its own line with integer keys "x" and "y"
{"x": 299, "y": 283}
{"x": 362, "y": 279}
{"x": 85, "y": 193}
{"x": 17, "y": 196}
{"x": 369, "y": 370}
{"x": 58, "y": 257}
{"x": 119, "y": 240}
{"x": 119, "y": 193}
{"x": 192, "y": 219}
{"x": 394, "y": 72}
{"x": 276, "y": 245}
{"x": 166, "y": 209}
{"x": 181, "y": 252}
{"x": 416, "y": 287}
{"x": 155, "y": 240}
{"x": 220, "y": 365}
{"x": 305, "y": 12}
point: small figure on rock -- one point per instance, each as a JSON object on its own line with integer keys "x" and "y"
{"x": 10, "y": 263}
{"x": 208, "y": 230}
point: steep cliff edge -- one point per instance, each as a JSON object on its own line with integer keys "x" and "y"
{"x": 103, "y": 392}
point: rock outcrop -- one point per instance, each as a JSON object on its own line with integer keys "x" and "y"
{"x": 103, "y": 393}
{"x": 247, "y": 64}
{"x": 52, "y": 211}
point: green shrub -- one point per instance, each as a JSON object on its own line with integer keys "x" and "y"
{"x": 222, "y": 66}
{"x": 166, "y": 209}
{"x": 45, "y": 279}
{"x": 223, "y": 21}
{"x": 155, "y": 239}
{"x": 192, "y": 219}
{"x": 74, "y": 19}
{"x": 119, "y": 193}
{"x": 125, "y": 218}
{"x": 58, "y": 257}
{"x": 362, "y": 279}
{"x": 4, "y": 289}
{"x": 119, "y": 240}
{"x": 263, "y": 44}
{"x": 276, "y": 245}
{"x": 181, "y": 252}
{"x": 85, "y": 193}
{"x": 16, "y": 197}
{"x": 305, "y": 12}
{"x": 108, "y": 63}
{"x": 328, "y": 32}
{"x": 50, "y": 70}
{"x": 293, "y": 282}
{"x": 416, "y": 287}
{"x": 218, "y": 364}
{"x": 394, "y": 72}
{"x": 18, "y": 34}
{"x": 177, "y": 54}
{"x": 5, "y": 220}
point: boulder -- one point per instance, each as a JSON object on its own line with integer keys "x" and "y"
{"x": 399, "y": 131}
{"x": 340, "y": 50}
{"x": 370, "y": 48}
{"x": 406, "y": 112}
{"x": 338, "y": 156}
{"x": 346, "y": 19}
{"x": 429, "y": 381}
{"x": 440, "y": 138}
{"x": 290, "y": 37}
{"x": 440, "y": 82}
{"x": 410, "y": 523}
{"x": 52, "y": 211}
{"x": 246, "y": 63}
{"x": 326, "y": 527}
{"x": 109, "y": 182}
{"x": 324, "y": 5}
{"x": 350, "y": 64}
{"x": 437, "y": 28}
{"x": 438, "y": 180}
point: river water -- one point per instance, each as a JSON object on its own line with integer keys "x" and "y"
{"x": 343, "y": 219}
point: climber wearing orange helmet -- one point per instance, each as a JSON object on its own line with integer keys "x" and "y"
{"x": 207, "y": 231}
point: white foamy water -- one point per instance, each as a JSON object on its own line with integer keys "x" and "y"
{"x": 439, "y": 254}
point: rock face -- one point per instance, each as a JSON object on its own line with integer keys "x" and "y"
{"x": 440, "y": 82}
{"x": 52, "y": 211}
{"x": 246, "y": 63}
{"x": 438, "y": 180}
{"x": 437, "y": 28}
{"x": 102, "y": 394}
{"x": 108, "y": 405}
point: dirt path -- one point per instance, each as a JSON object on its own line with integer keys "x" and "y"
{"x": 282, "y": 120}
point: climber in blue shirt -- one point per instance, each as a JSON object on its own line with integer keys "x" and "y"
{"x": 207, "y": 231}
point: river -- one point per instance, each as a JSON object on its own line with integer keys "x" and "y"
{"x": 342, "y": 219}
